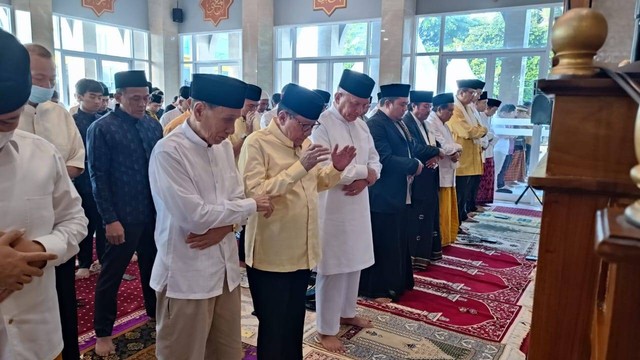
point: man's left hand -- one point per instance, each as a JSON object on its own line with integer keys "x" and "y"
{"x": 210, "y": 238}
{"x": 355, "y": 187}
{"x": 341, "y": 159}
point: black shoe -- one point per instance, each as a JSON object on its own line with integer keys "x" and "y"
{"x": 504, "y": 191}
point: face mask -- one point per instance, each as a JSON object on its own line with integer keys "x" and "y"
{"x": 5, "y": 137}
{"x": 40, "y": 94}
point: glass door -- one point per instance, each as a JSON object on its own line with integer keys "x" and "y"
{"x": 514, "y": 78}
{"x": 313, "y": 75}
{"x": 77, "y": 68}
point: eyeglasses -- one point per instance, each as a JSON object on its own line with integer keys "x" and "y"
{"x": 306, "y": 127}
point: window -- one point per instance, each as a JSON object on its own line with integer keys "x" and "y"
{"x": 96, "y": 51}
{"x": 5, "y": 18}
{"x": 214, "y": 53}
{"x": 508, "y": 48}
{"x": 315, "y": 56}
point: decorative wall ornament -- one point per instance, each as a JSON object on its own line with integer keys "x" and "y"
{"x": 215, "y": 10}
{"x": 99, "y": 6}
{"x": 329, "y": 6}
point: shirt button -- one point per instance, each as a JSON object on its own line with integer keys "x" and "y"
{"x": 418, "y": 238}
{"x": 10, "y": 321}
{"x": 421, "y": 217}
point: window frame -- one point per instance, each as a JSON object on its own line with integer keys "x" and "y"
{"x": 490, "y": 55}
{"x": 66, "y": 93}
{"x": 195, "y": 64}
{"x": 328, "y": 60}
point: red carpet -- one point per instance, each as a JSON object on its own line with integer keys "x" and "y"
{"x": 130, "y": 306}
{"x": 517, "y": 211}
{"x": 473, "y": 291}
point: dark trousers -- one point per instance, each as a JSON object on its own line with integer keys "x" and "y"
{"x": 137, "y": 238}
{"x": 391, "y": 275}
{"x": 241, "y": 253}
{"x": 474, "y": 185}
{"x": 85, "y": 255}
{"x": 68, "y": 305}
{"x": 423, "y": 230}
{"x": 279, "y": 300}
{"x": 462, "y": 190}
{"x": 503, "y": 171}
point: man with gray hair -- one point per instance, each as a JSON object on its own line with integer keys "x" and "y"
{"x": 345, "y": 248}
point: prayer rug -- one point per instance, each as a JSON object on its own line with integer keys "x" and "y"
{"x": 400, "y": 337}
{"x": 518, "y": 220}
{"x": 485, "y": 257}
{"x": 517, "y": 211}
{"x": 503, "y": 236}
{"x": 131, "y": 311}
{"x": 474, "y": 282}
{"x": 485, "y": 319}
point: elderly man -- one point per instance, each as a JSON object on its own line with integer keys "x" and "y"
{"x": 119, "y": 145}
{"x": 448, "y": 206}
{"x": 52, "y": 122}
{"x": 345, "y": 249}
{"x": 424, "y": 222}
{"x": 280, "y": 161}
{"x": 36, "y": 195}
{"x": 182, "y": 107}
{"x": 467, "y": 131}
{"x": 200, "y": 198}
{"x": 265, "y": 119}
{"x": 245, "y": 122}
{"x": 391, "y": 274}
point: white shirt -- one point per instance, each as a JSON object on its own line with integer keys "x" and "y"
{"x": 443, "y": 135}
{"x": 427, "y": 139}
{"x": 267, "y": 116}
{"x": 169, "y": 115}
{"x": 195, "y": 188}
{"x": 53, "y": 123}
{"x": 346, "y": 240}
{"x": 489, "y": 140}
{"x": 36, "y": 194}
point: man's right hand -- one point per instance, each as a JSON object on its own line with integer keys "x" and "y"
{"x": 210, "y": 238}
{"x": 264, "y": 204}
{"x": 15, "y": 270}
{"x": 115, "y": 233}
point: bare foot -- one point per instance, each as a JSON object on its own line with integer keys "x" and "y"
{"x": 134, "y": 258}
{"x": 382, "y": 300}
{"x": 105, "y": 346}
{"x": 357, "y": 321}
{"x": 82, "y": 273}
{"x": 331, "y": 343}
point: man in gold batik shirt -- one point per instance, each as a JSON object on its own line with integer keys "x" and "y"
{"x": 280, "y": 251}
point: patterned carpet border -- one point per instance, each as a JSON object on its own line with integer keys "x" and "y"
{"x": 518, "y": 211}
{"x": 398, "y": 337}
{"x": 122, "y": 325}
{"x": 524, "y": 269}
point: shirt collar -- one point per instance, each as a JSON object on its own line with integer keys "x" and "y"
{"x": 86, "y": 114}
{"x": 278, "y": 134}
{"x": 192, "y": 136}
{"x": 125, "y": 116}
{"x": 334, "y": 111}
{"x": 415, "y": 118}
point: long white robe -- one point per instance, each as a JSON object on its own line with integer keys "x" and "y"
{"x": 449, "y": 146}
{"x": 346, "y": 240}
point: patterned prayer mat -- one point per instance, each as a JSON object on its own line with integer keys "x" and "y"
{"x": 398, "y": 337}
{"x": 519, "y": 220}
{"x": 130, "y": 306}
{"x": 517, "y": 211}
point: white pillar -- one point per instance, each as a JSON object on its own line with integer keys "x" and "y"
{"x": 165, "y": 48}
{"x": 396, "y": 30}
{"x": 41, "y": 12}
{"x": 257, "y": 43}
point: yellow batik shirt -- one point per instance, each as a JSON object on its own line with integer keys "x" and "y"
{"x": 464, "y": 134}
{"x": 288, "y": 240}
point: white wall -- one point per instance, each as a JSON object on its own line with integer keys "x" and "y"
{"x": 293, "y": 12}
{"x": 129, "y": 13}
{"x": 194, "y": 18}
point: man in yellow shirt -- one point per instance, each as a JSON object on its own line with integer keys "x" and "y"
{"x": 281, "y": 162}
{"x": 175, "y": 123}
{"x": 245, "y": 123}
{"x": 467, "y": 131}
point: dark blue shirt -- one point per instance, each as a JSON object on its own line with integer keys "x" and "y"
{"x": 83, "y": 121}
{"x": 119, "y": 147}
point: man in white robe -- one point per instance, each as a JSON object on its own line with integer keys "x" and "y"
{"x": 199, "y": 198}
{"x": 36, "y": 195}
{"x": 346, "y": 242}
{"x": 183, "y": 105}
